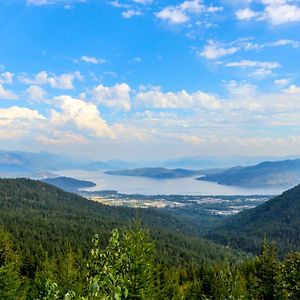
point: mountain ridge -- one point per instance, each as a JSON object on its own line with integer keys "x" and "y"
{"x": 284, "y": 173}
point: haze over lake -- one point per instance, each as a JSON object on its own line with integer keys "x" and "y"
{"x": 150, "y": 186}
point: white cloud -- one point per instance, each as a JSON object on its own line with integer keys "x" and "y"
{"x": 40, "y": 2}
{"x": 63, "y": 81}
{"x": 282, "y": 82}
{"x": 115, "y": 97}
{"x": 243, "y": 89}
{"x": 292, "y": 89}
{"x": 262, "y": 68}
{"x": 36, "y": 93}
{"x": 92, "y": 60}
{"x": 52, "y": 2}
{"x": 7, "y": 94}
{"x": 280, "y": 12}
{"x": 253, "y": 64}
{"x": 6, "y": 78}
{"x": 155, "y": 98}
{"x": 214, "y": 50}
{"x": 80, "y": 115}
{"x": 143, "y": 1}
{"x": 16, "y": 122}
{"x": 131, "y": 13}
{"x": 181, "y": 13}
{"x": 14, "y": 113}
{"x": 246, "y": 14}
{"x": 275, "y": 12}
{"x": 283, "y": 42}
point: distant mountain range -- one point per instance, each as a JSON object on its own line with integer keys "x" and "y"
{"x": 19, "y": 163}
{"x": 284, "y": 174}
{"x": 226, "y": 161}
{"x": 277, "y": 219}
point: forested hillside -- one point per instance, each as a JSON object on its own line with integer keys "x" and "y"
{"x": 278, "y": 219}
{"x": 58, "y": 245}
{"x": 42, "y": 218}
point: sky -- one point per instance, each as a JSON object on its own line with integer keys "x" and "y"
{"x": 149, "y": 79}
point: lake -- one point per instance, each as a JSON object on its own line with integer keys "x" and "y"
{"x": 150, "y": 186}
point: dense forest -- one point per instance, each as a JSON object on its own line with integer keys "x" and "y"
{"x": 278, "y": 219}
{"x": 58, "y": 245}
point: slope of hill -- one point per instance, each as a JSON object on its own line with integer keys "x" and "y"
{"x": 42, "y": 217}
{"x": 278, "y": 219}
{"x": 69, "y": 184}
{"x": 284, "y": 173}
{"x": 159, "y": 173}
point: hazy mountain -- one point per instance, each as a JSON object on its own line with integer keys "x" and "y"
{"x": 278, "y": 219}
{"x": 200, "y": 162}
{"x": 159, "y": 173}
{"x": 21, "y": 163}
{"x": 267, "y": 174}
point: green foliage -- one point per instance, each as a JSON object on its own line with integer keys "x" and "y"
{"x": 125, "y": 269}
{"x": 10, "y": 280}
{"x": 291, "y": 275}
{"x": 268, "y": 271}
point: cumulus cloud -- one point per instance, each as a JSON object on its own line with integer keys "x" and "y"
{"x": 81, "y": 115}
{"x": 14, "y": 113}
{"x": 36, "y": 93}
{"x": 182, "y": 13}
{"x": 275, "y": 12}
{"x": 7, "y": 94}
{"x": 115, "y": 97}
{"x": 214, "y": 50}
{"x": 292, "y": 89}
{"x": 246, "y": 14}
{"x": 17, "y": 121}
{"x": 63, "y": 81}
{"x": 155, "y": 98}
{"x": 6, "y": 78}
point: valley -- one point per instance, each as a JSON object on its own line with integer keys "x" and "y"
{"x": 202, "y": 205}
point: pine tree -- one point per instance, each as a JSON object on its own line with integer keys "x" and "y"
{"x": 9, "y": 268}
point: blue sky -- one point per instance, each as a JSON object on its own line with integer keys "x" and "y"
{"x": 146, "y": 79}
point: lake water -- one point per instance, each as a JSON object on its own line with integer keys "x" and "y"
{"x": 149, "y": 186}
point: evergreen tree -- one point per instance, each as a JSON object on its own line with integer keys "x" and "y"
{"x": 9, "y": 268}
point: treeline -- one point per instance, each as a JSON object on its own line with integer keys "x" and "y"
{"x": 129, "y": 268}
